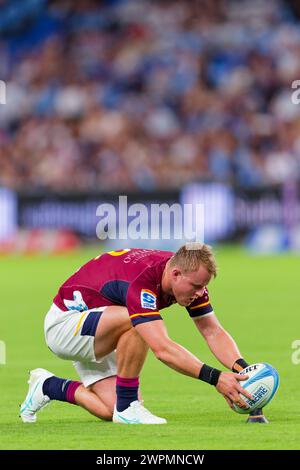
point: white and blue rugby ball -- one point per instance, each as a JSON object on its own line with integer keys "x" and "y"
{"x": 262, "y": 384}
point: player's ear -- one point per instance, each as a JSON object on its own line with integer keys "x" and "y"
{"x": 175, "y": 272}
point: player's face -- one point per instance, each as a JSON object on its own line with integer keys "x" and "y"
{"x": 187, "y": 287}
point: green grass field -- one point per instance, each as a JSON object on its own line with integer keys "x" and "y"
{"x": 255, "y": 298}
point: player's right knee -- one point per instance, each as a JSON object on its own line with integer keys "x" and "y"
{"x": 107, "y": 416}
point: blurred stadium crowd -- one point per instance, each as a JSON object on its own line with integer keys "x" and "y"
{"x": 143, "y": 95}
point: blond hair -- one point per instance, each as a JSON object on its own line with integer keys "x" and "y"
{"x": 191, "y": 256}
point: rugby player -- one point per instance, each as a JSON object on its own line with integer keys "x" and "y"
{"x": 106, "y": 316}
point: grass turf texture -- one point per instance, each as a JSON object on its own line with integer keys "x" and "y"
{"x": 256, "y": 300}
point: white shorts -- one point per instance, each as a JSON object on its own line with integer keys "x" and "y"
{"x": 70, "y": 335}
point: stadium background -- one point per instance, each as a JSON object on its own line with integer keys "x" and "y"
{"x": 163, "y": 101}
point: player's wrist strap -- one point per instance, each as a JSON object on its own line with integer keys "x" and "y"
{"x": 209, "y": 375}
{"x": 239, "y": 365}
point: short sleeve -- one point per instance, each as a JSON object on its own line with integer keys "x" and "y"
{"x": 141, "y": 300}
{"x": 200, "y": 307}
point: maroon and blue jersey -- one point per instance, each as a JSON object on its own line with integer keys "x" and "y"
{"x": 131, "y": 278}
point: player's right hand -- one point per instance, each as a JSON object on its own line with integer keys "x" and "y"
{"x": 228, "y": 385}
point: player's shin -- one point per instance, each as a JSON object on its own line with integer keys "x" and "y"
{"x": 75, "y": 393}
{"x": 131, "y": 354}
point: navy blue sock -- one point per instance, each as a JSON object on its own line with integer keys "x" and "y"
{"x": 60, "y": 389}
{"x": 127, "y": 392}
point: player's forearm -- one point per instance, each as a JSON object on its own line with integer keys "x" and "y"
{"x": 179, "y": 359}
{"x": 223, "y": 347}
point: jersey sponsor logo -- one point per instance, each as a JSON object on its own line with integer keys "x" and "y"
{"x": 148, "y": 299}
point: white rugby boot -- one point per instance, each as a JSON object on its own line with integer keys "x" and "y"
{"x": 136, "y": 413}
{"x": 35, "y": 399}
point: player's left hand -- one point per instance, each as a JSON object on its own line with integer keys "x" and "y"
{"x": 257, "y": 416}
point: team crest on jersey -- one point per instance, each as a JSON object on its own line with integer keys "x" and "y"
{"x": 148, "y": 299}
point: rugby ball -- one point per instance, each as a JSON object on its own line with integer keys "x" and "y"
{"x": 262, "y": 384}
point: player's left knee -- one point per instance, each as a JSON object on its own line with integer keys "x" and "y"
{"x": 107, "y": 416}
